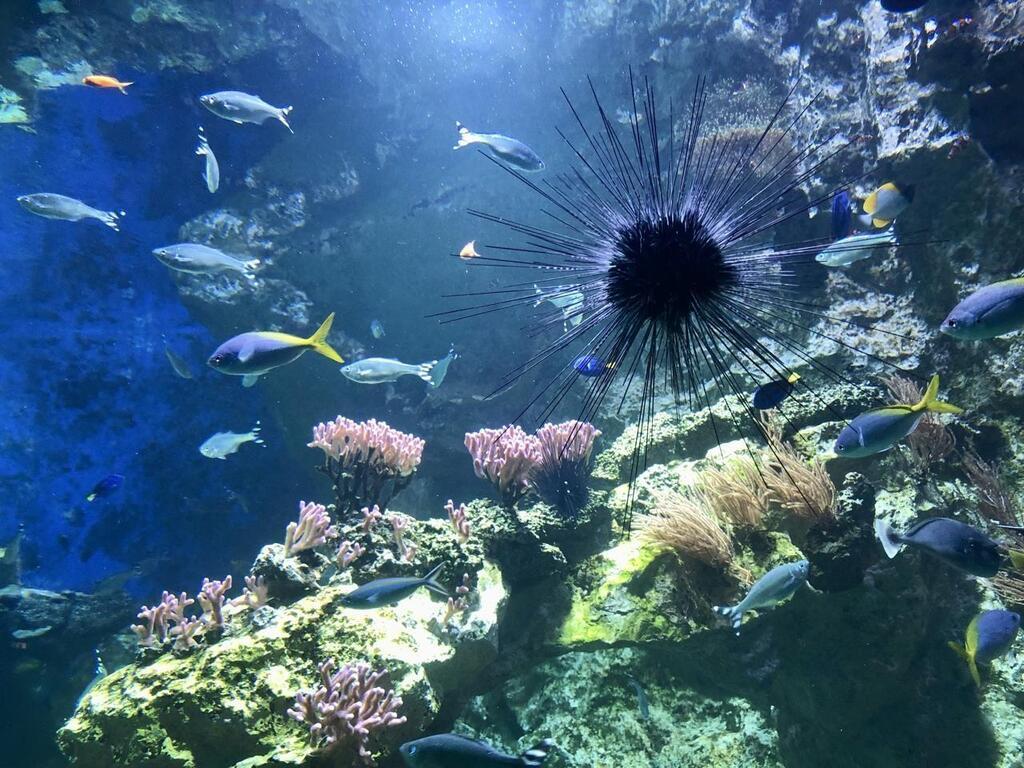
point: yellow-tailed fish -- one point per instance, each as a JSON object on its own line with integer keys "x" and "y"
{"x": 989, "y": 635}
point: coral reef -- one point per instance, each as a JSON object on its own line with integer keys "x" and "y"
{"x": 506, "y": 458}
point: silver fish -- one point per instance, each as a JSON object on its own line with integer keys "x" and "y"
{"x": 772, "y": 588}
{"x": 567, "y": 299}
{"x": 380, "y": 370}
{"x": 854, "y": 248}
{"x": 223, "y": 444}
{"x": 178, "y": 363}
{"x": 211, "y": 173}
{"x": 241, "y": 108}
{"x": 377, "y": 329}
{"x": 197, "y": 259}
{"x": 510, "y": 151}
{"x": 53, "y": 206}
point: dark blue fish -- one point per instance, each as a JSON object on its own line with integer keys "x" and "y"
{"x": 590, "y": 366}
{"x": 842, "y": 215}
{"x": 989, "y": 636}
{"x": 641, "y": 698}
{"x": 381, "y": 592}
{"x": 991, "y": 311}
{"x": 449, "y": 750}
{"x": 958, "y": 544}
{"x": 105, "y": 487}
{"x": 774, "y": 393}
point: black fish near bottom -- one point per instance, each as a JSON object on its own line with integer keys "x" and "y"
{"x": 381, "y": 592}
{"x": 958, "y": 544}
{"x": 449, "y": 750}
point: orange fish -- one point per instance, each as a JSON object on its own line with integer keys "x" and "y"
{"x": 104, "y": 81}
{"x": 469, "y": 251}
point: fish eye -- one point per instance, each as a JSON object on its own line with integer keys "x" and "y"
{"x": 951, "y": 323}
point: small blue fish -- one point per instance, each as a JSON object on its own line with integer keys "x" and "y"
{"x": 774, "y": 393}
{"x": 880, "y": 429}
{"x": 591, "y": 366}
{"x": 381, "y": 592}
{"x": 991, "y": 311}
{"x": 842, "y": 215}
{"x": 377, "y": 329}
{"x": 105, "y": 487}
{"x": 989, "y": 636}
{"x": 510, "y": 151}
{"x": 449, "y": 750}
{"x": 772, "y": 588}
{"x": 957, "y": 544}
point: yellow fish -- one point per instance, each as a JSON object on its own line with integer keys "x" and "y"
{"x": 887, "y": 202}
{"x": 105, "y": 81}
{"x": 469, "y": 251}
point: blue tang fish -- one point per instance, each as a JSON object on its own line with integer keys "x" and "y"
{"x": 991, "y": 311}
{"x": 842, "y": 215}
{"x": 591, "y": 366}
{"x": 381, "y": 592}
{"x": 253, "y": 354}
{"x": 774, "y": 393}
{"x": 449, "y": 750}
{"x": 880, "y": 429}
{"x": 772, "y": 588}
{"x": 105, "y": 487}
{"x": 989, "y": 636}
{"x": 960, "y": 545}
{"x": 510, "y": 151}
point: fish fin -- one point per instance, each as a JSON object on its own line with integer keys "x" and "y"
{"x": 430, "y": 581}
{"x": 537, "y": 754}
{"x": 961, "y": 651}
{"x": 113, "y": 219}
{"x": 890, "y": 539}
{"x": 91, "y": 497}
{"x": 871, "y": 202}
{"x": 250, "y": 379}
{"x": 121, "y": 86}
{"x": 930, "y": 402}
{"x": 318, "y": 341}
{"x": 282, "y": 115}
{"x": 255, "y": 432}
{"x": 1017, "y": 559}
{"x": 245, "y": 353}
{"x": 793, "y": 378}
{"x": 732, "y": 613}
{"x": 426, "y": 372}
{"x": 463, "y": 133}
{"x": 881, "y": 223}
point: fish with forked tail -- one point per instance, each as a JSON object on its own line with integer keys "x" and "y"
{"x": 449, "y": 750}
{"x": 989, "y": 636}
{"x": 772, "y": 588}
{"x": 509, "y": 151}
{"x": 241, "y": 108}
{"x": 53, "y": 206}
{"x": 382, "y": 370}
{"x": 381, "y": 592}
{"x": 955, "y": 543}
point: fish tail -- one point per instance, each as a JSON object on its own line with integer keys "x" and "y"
{"x": 255, "y": 432}
{"x": 91, "y": 497}
{"x": 537, "y": 754}
{"x": 282, "y": 115}
{"x": 122, "y": 87}
{"x": 463, "y": 133}
{"x": 871, "y": 202}
{"x": 426, "y": 372}
{"x": 964, "y": 654}
{"x": 890, "y": 539}
{"x": 1017, "y": 559}
{"x": 732, "y": 613}
{"x": 113, "y": 219}
{"x": 252, "y": 266}
{"x": 430, "y": 581}
{"x": 318, "y": 341}
{"x": 881, "y": 223}
{"x": 930, "y": 401}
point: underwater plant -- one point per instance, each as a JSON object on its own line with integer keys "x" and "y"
{"x": 684, "y": 525}
{"x": 369, "y": 463}
{"x": 994, "y": 502}
{"x": 506, "y": 457}
{"x": 800, "y": 486}
{"x": 932, "y": 441}
{"x": 736, "y": 492}
{"x": 561, "y": 477}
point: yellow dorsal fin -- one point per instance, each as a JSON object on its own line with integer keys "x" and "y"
{"x": 793, "y": 378}
{"x": 880, "y": 223}
{"x": 318, "y": 341}
{"x": 930, "y": 402}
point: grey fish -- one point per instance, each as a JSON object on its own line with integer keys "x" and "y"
{"x": 641, "y": 698}
{"x": 239, "y": 107}
{"x": 53, "y": 206}
{"x": 510, "y": 151}
{"x": 178, "y": 363}
{"x": 854, "y": 248}
{"x": 381, "y": 592}
{"x": 567, "y": 298}
{"x": 772, "y": 588}
{"x": 991, "y": 311}
{"x": 380, "y": 370}
{"x": 955, "y": 543}
{"x": 449, "y": 750}
{"x": 223, "y": 444}
{"x": 196, "y": 259}
{"x": 377, "y": 329}
{"x": 211, "y": 171}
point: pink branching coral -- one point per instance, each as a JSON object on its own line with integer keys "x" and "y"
{"x": 460, "y": 602}
{"x": 457, "y": 516}
{"x": 399, "y": 525}
{"x": 348, "y": 553}
{"x": 563, "y": 472}
{"x": 312, "y": 530}
{"x": 211, "y": 598}
{"x": 347, "y": 708}
{"x": 254, "y": 595}
{"x": 184, "y": 634}
{"x": 368, "y": 462}
{"x": 370, "y": 517}
{"x": 505, "y": 457}
{"x": 162, "y": 619}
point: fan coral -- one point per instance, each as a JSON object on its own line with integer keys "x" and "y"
{"x": 683, "y": 525}
{"x": 368, "y": 462}
{"x": 561, "y": 477}
{"x": 505, "y": 457}
{"x": 347, "y": 708}
{"x": 312, "y": 530}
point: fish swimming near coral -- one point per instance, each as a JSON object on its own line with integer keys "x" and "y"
{"x": 774, "y": 393}
{"x": 992, "y": 311}
{"x": 849, "y": 250}
{"x": 53, "y": 206}
{"x": 510, "y": 151}
{"x": 880, "y": 429}
{"x": 381, "y": 592}
{"x": 380, "y": 370}
{"x": 842, "y": 215}
{"x": 886, "y": 203}
{"x": 960, "y": 545}
{"x": 239, "y": 107}
{"x": 105, "y": 81}
{"x": 253, "y": 354}
{"x": 450, "y": 750}
{"x": 211, "y": 169}
{"x": 223, "y": 444}
{"x": 178, "y": 363}
{"x": 771, "y": 589}
{"x": 989, "y": 636}
{"x": 105, "y": 487}
{"x": 196, "y": 259}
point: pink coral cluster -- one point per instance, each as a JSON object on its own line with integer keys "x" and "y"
{"x": 368, "y": 461}
{"x": 568, "y": 441}
{"x": 505, "y": 457}
{"x": 459, "y": 518}
{"x": 313, "y": 529}
{"x": 347, "y": 708}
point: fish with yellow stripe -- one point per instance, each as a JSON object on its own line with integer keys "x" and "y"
{"x": 253, "y": 354}
{"x": 886, "y": 203}
{"x": 989, "y": 636}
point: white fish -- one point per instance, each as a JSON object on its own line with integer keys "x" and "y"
{"x": 199, "y": 259}
{"x": 380, "y": 370}
{"x": 52, "y": 206}
{"x": 241, "y": 108}
{"x": 510, "y": 151}
{"x": 223, "y": 444}
{"x": 846, "y": 251}
{"x": 567, "y": 299}
{"x": 211, "y": 174}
